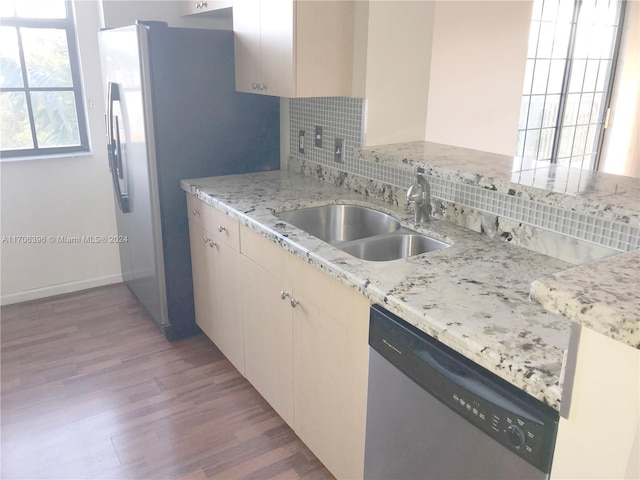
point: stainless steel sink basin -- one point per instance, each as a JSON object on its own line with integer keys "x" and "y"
{"x": 393, "y": 246}
{"x": 362, "y": 232}
{"x": 341, "y": 223}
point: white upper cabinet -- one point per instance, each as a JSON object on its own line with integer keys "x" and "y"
{"x": 294, "y": 48}
{"x": 194, "y": 7}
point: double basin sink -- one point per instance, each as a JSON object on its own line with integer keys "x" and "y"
{"x": 361, "y": 231}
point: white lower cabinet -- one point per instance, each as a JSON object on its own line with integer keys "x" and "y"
{"x": 331, "y": 358}
{"x": 299, "y": 336}
{"x": 268, "y": 338}
{"x": 306, "y": 351}
{"x": 216, "y": 279}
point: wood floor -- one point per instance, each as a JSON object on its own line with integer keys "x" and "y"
{"x": 91, "y": 389}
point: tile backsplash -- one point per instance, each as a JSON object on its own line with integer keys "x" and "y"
{"x": 339, "y": 117}
{"x": 343, "y": 118}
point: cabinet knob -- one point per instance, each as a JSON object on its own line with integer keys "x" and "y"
{"x": 294, "y": 303}
{"x": 262, "y": 86}
{"x": 212, "y": 243}
{"x": 221, "y": 228}
{"x": 201, "y": 4}
{"x": 283, "y": 295}
{"x": 254, "y": 86}
{"x": 195, "y": 212}
{"x": 205, "y": 239}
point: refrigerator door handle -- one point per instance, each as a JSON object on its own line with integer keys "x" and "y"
{"x": 114, "y": 148}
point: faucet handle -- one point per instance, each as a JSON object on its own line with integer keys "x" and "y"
{"x": 420, "y": 194}
{"x": 415, "y": 193}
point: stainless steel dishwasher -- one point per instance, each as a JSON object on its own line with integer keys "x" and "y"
{"x": 433, "y": 414}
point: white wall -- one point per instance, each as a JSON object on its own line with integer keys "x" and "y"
{"x": 62, "y": 196}
{"x": 621, "y": 148}
{"x": 443, "y": 71}
{"x": 477, "y": 73}
{"x": 600, "y": 439}
{"x": 397, "y": 69}
{"x": 360, "y": 41}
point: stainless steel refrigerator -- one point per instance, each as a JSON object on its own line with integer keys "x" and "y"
{"x": 173, "y": 113}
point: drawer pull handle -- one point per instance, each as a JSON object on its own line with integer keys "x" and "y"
{"x": 221, "y": 228}
{"x": 294, "y": 303}
{"x": 283, "y": 295}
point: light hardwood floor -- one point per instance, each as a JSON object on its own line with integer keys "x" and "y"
{"x": 92, "y": 389}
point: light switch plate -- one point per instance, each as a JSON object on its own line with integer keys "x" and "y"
{"x": 318, "y": 137}
{"x": 301, "y": 141}
{"x": 338, "y": 150}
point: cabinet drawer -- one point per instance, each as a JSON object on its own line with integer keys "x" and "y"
{"x": 221, "y": 227}
{"x": 195, "y": 209}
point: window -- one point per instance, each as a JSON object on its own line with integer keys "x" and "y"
{"x": 573, "y": 47}
{"x": 41, "y": 106}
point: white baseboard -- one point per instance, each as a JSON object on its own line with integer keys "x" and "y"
{"x": 52, "y": 290}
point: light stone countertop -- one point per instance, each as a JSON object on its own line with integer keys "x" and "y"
{"x": 611, "y": 197}
{"x": 472, "y": 296}
{"x": 603, "y": 295}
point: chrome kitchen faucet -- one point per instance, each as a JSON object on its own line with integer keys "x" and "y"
{"x": 420, "y": 195}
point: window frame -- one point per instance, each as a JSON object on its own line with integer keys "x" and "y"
{"x": 68, "y": 25}
{"x": 600, "y": 124}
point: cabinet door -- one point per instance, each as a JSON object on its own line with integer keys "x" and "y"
{"x": 294, "y": 48}
{"x": 324, "y": 37}
{"x": 246, "y": 30}
{"x": 217, "y": 293}
{"x": 331, "y": 355}
{"x": 225, "y": 288}
{"x": 277, "y": 20}
{"x": 199, "y": 242}
{"x": 268, "y": 337}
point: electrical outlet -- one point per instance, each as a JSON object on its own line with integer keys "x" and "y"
{"x": 301, "y": 141}
{"x": 338, "y": 150}
{"x": 318, "y": 137}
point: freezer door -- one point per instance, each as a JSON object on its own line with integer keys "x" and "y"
{"x": 122, "y": 52}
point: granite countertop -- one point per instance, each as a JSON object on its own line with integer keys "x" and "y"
{"x": 611, "y": 197}
{"x": 472, "y": 296}
{"x": 602, "y": 295}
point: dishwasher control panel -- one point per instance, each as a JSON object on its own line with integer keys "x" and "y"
{"x": 526, "y": 436}
{"x": 515, "y": 419}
